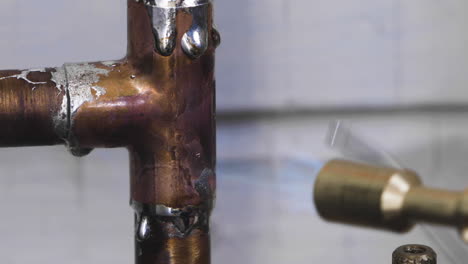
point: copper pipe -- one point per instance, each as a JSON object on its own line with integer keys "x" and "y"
{"x": 385, "y": 198}
{"x": 158, "y": 102}
{"x": 28, "y": 101}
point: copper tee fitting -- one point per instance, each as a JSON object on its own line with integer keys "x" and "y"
{"x": 159, "y": 102}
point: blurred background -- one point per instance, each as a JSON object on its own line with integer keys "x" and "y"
{"x": 396, "y": 70}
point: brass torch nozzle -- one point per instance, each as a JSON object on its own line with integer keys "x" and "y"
{"x": 385, "y": 198}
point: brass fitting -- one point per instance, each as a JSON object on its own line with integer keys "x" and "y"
{"x": 385, "y": 198}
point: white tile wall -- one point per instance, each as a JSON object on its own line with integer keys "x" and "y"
{"x": 433, "y": 55}
{"x": 276, "y": 53}
{"x": 252, "y": 61}
{"x": 51, "y": 32}
{"x": 341, "y": 53}
{"x": 56, "y": 208}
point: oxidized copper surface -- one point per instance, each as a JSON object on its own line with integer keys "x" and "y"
{"x": 162, "y": 108}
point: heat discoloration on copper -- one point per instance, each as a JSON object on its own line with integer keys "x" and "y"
{"x": 160, "y": 105}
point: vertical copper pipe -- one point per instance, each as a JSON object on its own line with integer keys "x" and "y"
{"x": 173, "y": 163}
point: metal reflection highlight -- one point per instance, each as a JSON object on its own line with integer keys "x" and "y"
{"x": 195, "y": 41}
{"x": 164, "y": 29}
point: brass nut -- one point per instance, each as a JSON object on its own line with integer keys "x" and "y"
{"x": 414, "y": 254}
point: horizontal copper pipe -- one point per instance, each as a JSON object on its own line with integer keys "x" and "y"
{"x": 30, "y": 102}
